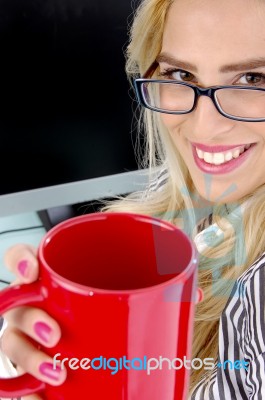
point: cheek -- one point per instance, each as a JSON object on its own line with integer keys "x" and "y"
{"x": 176, "y": 128}
{"x": 258, "y": 129}
{"x": 173, "y": 122}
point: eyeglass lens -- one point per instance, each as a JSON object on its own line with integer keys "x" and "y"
{"x": 235, "y": 102}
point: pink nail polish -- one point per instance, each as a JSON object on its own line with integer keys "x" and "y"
{"x": 50, "y": 371}
{"x": 23, "y": 267}
{"x": 43, "y": 331}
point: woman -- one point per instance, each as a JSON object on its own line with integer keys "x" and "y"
{"x": 208, "y": 148}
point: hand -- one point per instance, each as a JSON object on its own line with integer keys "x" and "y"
{"x": 28, "y": 322}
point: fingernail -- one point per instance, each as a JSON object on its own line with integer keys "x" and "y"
{"x": 43, "y": 331}
{"x": 50, "y": 371}
{"x": 23, "y": 267}
{"x": 200, "y": 295}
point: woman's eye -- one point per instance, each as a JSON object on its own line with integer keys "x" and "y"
{"x": 252, "y": 79}
{"x": 178, "y": 75}
{"x": 183, "y": 76}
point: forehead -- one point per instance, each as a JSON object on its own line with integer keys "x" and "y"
{"x": 216, "y": 31}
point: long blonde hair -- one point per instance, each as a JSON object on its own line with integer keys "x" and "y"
{"x": 242, "y": 241}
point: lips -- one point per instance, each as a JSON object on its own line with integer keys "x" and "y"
{"x": 216, "y": 149}
{"x": 221, "y": 159}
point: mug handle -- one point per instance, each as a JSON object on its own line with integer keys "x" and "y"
{"x": 11, "y": 297}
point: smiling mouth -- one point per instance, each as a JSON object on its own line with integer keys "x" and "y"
{"x": 223, "y": 157}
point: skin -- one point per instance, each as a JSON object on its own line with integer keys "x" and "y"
{"x": 22, "y": 319}
{"x": 202, "y": 33}
{"x": 207, "y": 34}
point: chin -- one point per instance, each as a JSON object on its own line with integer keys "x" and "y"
{"x": 219, "y": 195}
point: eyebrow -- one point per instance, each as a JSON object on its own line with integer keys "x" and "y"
{"x": 236, "y": 67}
{"x": 165, "y": 57}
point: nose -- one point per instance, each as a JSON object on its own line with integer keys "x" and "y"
{"x": 206, "y": 123}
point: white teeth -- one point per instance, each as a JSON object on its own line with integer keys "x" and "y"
{"x": 221, "y": 157}
{"x": 208, "y": 157}
{"x": 228, "y": 156}
{"x": 200, "y": 153}
{"x": 236, "y": 153}
{"x": 218, "y": 158}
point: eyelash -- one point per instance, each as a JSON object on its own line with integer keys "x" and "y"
{"x": 258, "y": 75}
{"x": 167, "y": 73}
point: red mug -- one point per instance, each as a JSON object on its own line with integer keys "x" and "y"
{"x": 123, "y": 288}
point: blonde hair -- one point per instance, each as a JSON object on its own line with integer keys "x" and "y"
{"x": 226, "y": 256}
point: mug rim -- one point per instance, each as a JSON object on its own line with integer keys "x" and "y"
{"x": 80, "y": 288}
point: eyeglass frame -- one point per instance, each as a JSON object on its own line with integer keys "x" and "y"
{"x": 209, "y": 92}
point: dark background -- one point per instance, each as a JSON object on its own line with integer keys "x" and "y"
{"x": 66, "y": 108}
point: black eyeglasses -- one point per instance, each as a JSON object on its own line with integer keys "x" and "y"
{"x": 239, "y": 103}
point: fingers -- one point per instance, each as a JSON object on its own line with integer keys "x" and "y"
{"x": 23, "y": 353}
{"x": 21, "y": 260}
{"x": 35, "y": 323}
{"x": 31, "y": 396}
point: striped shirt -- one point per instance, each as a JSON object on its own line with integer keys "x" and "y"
{"x": 241, "y": 337}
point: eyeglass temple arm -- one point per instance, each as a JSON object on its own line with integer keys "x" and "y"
{"x": 149, "y": 72}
